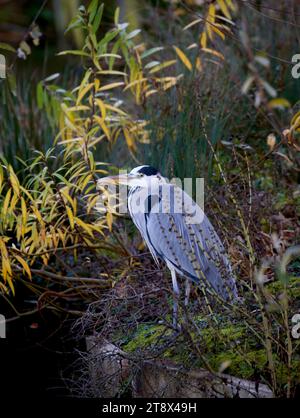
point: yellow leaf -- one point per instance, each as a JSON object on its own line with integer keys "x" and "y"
{"x": 103, "y": 126}
{"x": 92, "y": 203}
{"x": 111, "y": 86}
{"x": 150, "y": 92}
{"x": 6, "y": 202}
{"x": 214, "y": 52}
{"x": 198, "y": 64}
{"x": 78, "y": 108}
{"x": 129, "y": 139}
{"x": 133, "y": 83}
{"x": 13, "y": 201}
{"x": 296, "y": 124}
{"x": 64, "y": 192}
{"x": 162, "y": 65}
{"x": 82, "y": 92}
{"x": 231, "y": 5}
{"x": 116, "y": 109}
{"x": 70, "y": 216}
{"x": 295, "y": 117}
{"x": 203, "y": 40}
{"x": 24, "y": 211}
{"x": 109, "y": 220}
{"x": 26, "y": 192}
{"x": 24, "y": 265}
{"x": 85, "y": 181}
{"x": 224, "y": 8}
{"x": 183, "y": 58}
{"x": 14, "y": 181}
{"x": 112, "y": 72}
{"x": 279, "y": 102}
{"x": 102, "y": 108}
{"x": 218, "y": 32}
{"x": 84, "y": 226}
{"x": 97, "y": 84}
{"x": 210, "y": 21}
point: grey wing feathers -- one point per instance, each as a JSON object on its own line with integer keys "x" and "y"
{"x": 187, "y": 242}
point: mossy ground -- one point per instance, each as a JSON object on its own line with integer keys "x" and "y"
{"x": 232, "y": 347}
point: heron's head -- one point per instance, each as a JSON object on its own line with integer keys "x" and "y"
{"x": 142, "y": 176}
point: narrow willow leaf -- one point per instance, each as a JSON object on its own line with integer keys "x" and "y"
{"x": 135, "y": 82}
{"x": 7, "y": 47}
{"x": 40, "y": 95}
{"x": 214, "y": 52}
{"x": 183, "y": 58}
{"x": 70, "y": 216}
{"x": 203, "y": 40}
{"x": 51, "y": 77}
{"x": 129, "y": 139}
{"x": 194, "y": 22}
{"x": 132, "y": 34}
{"x": 74, "y": 52}
{"x": 112, "y": 72}
{"x": 264, "y": 61}
{"x": 117, "y": 16}
{"x": 116, "y": 109}
{"x": 295, "y": 117}
{"x": 102, "y": 108}
{"x": 84, "y": 226}
{"x": 111, "y": 86}
{"x": 6, "y": 202}
{"x": 83, "y": 91}
{"x": 224, "y": 8}
{"x": 269, "y": 89}
{"x": 103, "y": 126}
{"x": 247, "y": 84}
{"x": 151, "y": 64}
{"x": 280, "y": 102}
{"x": 92, "y": 9}
{"x": 162, "y": 66}
{"x": 24, "y": 265}
{"x": 218, "y": 32}
{"x": 151, "y": 51}
{"x": 98, "y": 18}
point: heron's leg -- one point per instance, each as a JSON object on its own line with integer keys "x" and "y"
{"x": 176, "y": 293}
{"x": 187, "y": 292}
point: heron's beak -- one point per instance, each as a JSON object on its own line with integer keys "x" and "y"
{"x": 120, "y": 179}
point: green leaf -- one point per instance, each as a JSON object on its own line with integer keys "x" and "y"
{"x": 162, "y": 66}
{"x": 51, "y": 77}
{"x": 25, "y": 47}
{"x": 7, "y": 47}
{"x": 98, "y": 18}
{"x": 117, "y": 16}
{"x": 12, "y": 83}
{"x": 40, "y": 95}
{"x": 132, "y": 34}
{"x": 105, "y": 41}
{"x": 74, "y": 52}
{"x": 92, "y": 10}
{"x": 151, "y": 51}
{"x": 75, "y": 23}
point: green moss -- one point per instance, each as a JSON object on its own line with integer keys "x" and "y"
{"x": 293, "y": 287}
{"x": 227, "y": 343}
{"x": 145, "y": 337}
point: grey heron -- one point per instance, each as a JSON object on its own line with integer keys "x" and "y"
{"x": 177, "y": 231}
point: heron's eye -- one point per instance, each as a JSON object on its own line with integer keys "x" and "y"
{"x": 141, "y": 175}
